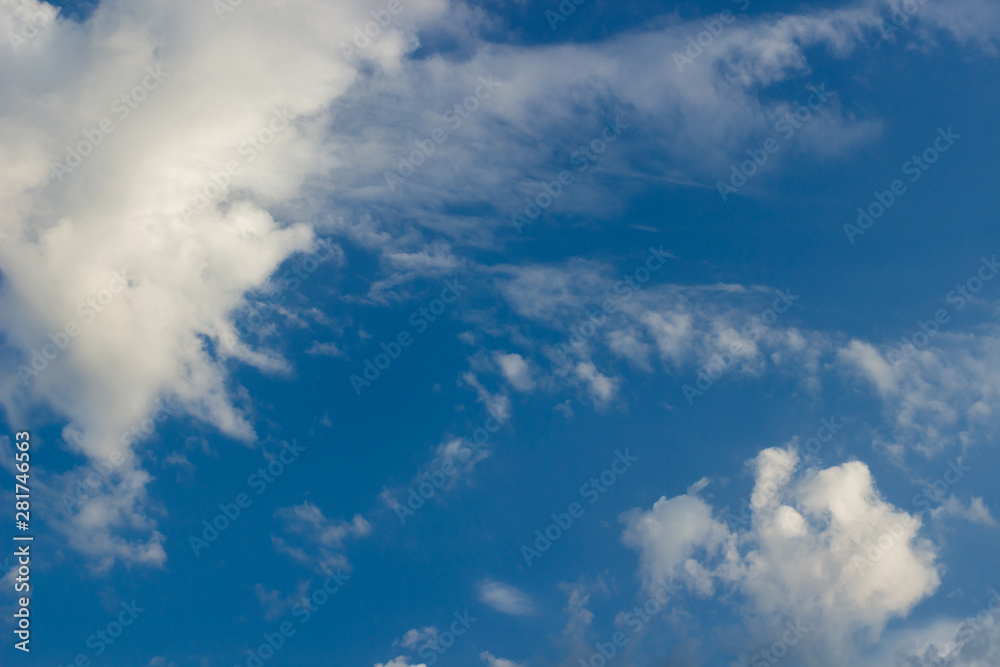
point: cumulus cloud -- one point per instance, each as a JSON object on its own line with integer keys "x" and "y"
{"x": 680, "y": 528}
{"x": 201, "y": 152}
{"x": 802, "y": 558}
{"x": 153, "y": 101}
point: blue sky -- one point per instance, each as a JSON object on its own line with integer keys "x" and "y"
{"x": 615, "y": 407}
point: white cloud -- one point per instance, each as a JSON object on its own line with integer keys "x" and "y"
{"x": 496, "y": 404}
{"x": 973, "y": 641}
{"x": 802, "y": 557}
{"x": 328, "y": 536}
{"x": 121, "y": 208}
{"x": 505, "y": 599}
{"x": 690, "y": 329}
{"x": 418, "y": 638}
{"x": 975, "y": 512}
{"x": 970, "y": 22}
{"x": 578, "y": 617}
{"x": 601, "y": 387}
{"x": 870, "y": 362}
{"x": 943, "y": 395}
{"x": 680, "y": 528}
{"x": 493, "y": 661}
{"x": 325, "y": 350}
{"x": 276, "y": 604}
{"x": 516, "y": 371}
{"x": 401, "y": 661}
{"x": 457, "y": 453}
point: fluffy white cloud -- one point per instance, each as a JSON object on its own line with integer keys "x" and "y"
{"x": 133, "y": 204}
{"x": 516, "y": 371}
{"x": 802, "y": 557}
{"x": 154, "y": 99}
{"x": 670, "y": 534}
